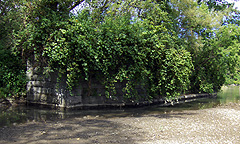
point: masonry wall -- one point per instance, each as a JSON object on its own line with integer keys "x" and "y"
{"x": 44, "y": 90}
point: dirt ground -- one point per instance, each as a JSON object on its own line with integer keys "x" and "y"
{"x": 215, "y": 125}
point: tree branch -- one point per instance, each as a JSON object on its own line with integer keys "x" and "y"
{"x": 76, "y": 4}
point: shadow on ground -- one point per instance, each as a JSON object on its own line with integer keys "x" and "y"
{"x": 76, "y": 130}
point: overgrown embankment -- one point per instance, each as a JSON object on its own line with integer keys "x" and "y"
{"x": 167, "y": 48}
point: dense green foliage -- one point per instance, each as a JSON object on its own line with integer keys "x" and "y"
{"x": 12, "y": 75}
{"x": 168, "y": 47}
{"x": 213, "y": 45}
{"x": 12, "y": 70}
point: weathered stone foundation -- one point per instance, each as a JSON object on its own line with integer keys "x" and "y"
{"x": 48, "y": 91}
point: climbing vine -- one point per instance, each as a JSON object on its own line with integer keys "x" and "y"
{"x": 165, "y": 47}
{"x": 115, "y": 48}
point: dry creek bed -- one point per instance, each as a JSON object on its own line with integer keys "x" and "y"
{"x": 214, "y": 125}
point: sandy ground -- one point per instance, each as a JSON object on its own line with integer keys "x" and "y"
{"x": 215, "y": 125}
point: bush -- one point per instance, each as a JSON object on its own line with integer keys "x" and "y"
{"x": 12, "y": 75}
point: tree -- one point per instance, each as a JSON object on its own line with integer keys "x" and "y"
{"x": 12, "y": 70}
{"x": 201, "y": 28}
{"x": 112, "y": 42}
{"x": 168, "y": 47}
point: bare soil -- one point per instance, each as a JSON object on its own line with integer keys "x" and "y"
{"x": 214, "y": 125}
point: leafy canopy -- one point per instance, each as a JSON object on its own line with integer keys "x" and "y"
{"x": 168, "y": 47}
